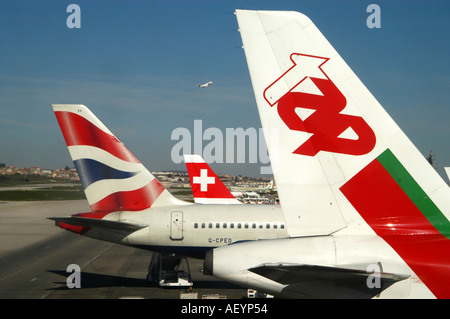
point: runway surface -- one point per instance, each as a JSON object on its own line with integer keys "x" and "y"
{"x": 34, "y": 256}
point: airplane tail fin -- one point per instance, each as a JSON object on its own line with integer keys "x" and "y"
{"x": 207, "y": 187}
{"x": 340, "y": 157}
{"x": 112, "y": 177}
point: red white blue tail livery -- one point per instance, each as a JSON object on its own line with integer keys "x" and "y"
{"x": 112, "y": 177}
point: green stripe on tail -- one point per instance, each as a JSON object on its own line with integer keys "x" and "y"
{"x": 415, "y": 192}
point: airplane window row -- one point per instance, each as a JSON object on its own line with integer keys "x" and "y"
{"x": 239, "y": 225}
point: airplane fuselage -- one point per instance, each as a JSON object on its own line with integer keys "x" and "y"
{"x": 191, "y": 230}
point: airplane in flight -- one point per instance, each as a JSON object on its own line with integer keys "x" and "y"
{"x": 129, "y": 206}
{"x": 207, "y": 188}
{"x": 366, "y": 215}
{"x": 204, "y": 85}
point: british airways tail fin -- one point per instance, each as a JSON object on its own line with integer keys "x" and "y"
{"x": 207, "y": 187}
{"x": 342, "y": 161}
{"x": 112, "y": 177}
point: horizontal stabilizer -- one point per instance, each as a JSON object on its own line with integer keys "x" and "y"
{"x": 311, "y": 281}
{"x": 93, "y": 222}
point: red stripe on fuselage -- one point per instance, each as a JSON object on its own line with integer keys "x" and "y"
{"x": 394, "y": 217}
{"x": 79, "y": 131}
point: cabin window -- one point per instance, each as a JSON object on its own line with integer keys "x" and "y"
{"x": 282, "y": 226}
{"x": 210, "y": 225}
{"x": 232, "y": 225}
{"x": 217, "y": 225}
{"x": 260, "y": 225}
{"x": 268, "y": 226}
{"x": 239, "y": 225}
{"x": 203, "y": 225}
{"x": 253, "y": 225}
{"x": 275, "y": 226}
{"x": 224, "y": 225}
{"x": 246, "y": 225}
{"x": 195, "y": 225}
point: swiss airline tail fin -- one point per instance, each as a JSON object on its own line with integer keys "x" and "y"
{"x": 112, "y": 178}
{"x": 342, "y": 160}
{"x": 207, "y": 188}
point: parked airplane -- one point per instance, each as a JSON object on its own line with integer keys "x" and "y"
{"x": 244, "y": 189}
{"x": 207, "y": 188}
{"x": 204, "y": 85}
{"x": 343, "y": 165}
{"x": 130, "y": 207}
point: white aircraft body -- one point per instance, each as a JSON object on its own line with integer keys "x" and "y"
{"x": 204, "y": 85}
{"x": 366, "y": 214}
{"x": 447, "y": 170}
{"x": 130, "y": 207}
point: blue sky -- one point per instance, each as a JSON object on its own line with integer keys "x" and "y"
{"x": 136, "y": 64}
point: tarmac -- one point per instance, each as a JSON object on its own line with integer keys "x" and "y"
{"x": 35, "y": 255}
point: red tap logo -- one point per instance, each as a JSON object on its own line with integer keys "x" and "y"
{"x": 332, "y": 131}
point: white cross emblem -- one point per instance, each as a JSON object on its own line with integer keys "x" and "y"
{"x": 204, "y": 180}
